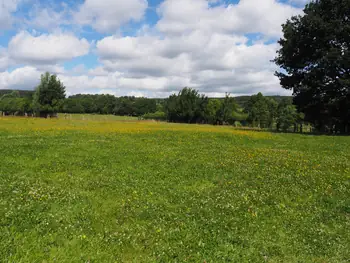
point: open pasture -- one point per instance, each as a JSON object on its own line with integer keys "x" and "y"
{"x": 105, "y": 190}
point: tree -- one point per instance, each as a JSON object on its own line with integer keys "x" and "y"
{"x": 49, "y": 95}
{"x": 228, "y": 107}
{"x": 261, "y": 111}
{"x": 144, "y": 106}
{"x": 158, "y": 116}
{"x": 125, "y": 106}
{"x": 213, "y": 111}
{"x": 315, "y": 58}
{"x": 188, "y": 106}
{"x": 286, "y": 116}
{"x": 13, "y": 104}
{"x": 230, "y": 112}
{"x": 72, "y": 105}
{"x": 272, "y": 107}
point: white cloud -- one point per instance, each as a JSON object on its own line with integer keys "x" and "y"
{"x": 21, "y": 78}
{"x": 53, "y": 69}
{"x": 210, "y": 62}
{"x": 248, "y": 16}
{"x": 205, "y": 47}
{"x": 7, "y": 7}
{"x": 121, "y": 84}
{"x": 46, "y": 48}
{"x": 193, "y": 44}
{"x": 46, "y": 18}
{"x": 4, "y": 59}
{"x": 98, "y": 71}
{"x": 210, "y": 82}
{"x": 109, "y": 15}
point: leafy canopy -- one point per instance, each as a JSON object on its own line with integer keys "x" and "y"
{"x": 49, "y": 95}
{"x": 315, "y": 59}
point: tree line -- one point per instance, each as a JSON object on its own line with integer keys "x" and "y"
{"x": 109, "y": 104}
{"x": 188, "y": 106}
{"x": 49, "y": 98}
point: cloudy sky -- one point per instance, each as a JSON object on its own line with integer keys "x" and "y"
{"x": 144, "y": 47}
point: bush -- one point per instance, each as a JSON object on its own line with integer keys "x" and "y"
{"x": 158, "y": 116}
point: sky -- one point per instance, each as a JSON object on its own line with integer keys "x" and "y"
{"x": 150, "y": 48}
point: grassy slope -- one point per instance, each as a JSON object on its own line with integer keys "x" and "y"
{"x": 98, "y": 191}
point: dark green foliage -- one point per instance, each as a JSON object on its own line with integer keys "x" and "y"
{"x": 86, "y": 101}
{"x": 73, "y": 106}
{"x": 315, "y": 56}
{"x": 105, "y": 104}
{"x": 220, "y": 111}
{"x": 13, "y": 104}
{"x": 158, "y": 116}
{"x": 125, "y": 106}
{"x": 144, "y": 106}
{"x": 213, "y": 111}
{"x": 286, "y": 117}
{"x": 188, "y": 106}
{"x": 261, "y": 111}
{"x": 229, "y": 106}
{"x": 22, "y": 93}
{"x": 109, "y": 104}
{"x": 49, "y": 95}
{"x": 191, "y": 107}
{"x": 242, "y": 100}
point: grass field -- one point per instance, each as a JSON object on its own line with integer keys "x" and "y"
{"x": 96, "y": 190}
{"x": 95, "y": 117}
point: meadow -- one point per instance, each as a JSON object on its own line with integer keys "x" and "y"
{"x": 110, "y": 190}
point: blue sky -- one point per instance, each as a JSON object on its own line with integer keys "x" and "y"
{"x": 144, "y": 48}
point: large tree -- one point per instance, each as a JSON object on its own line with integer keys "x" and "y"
{"x": 213, "y": 111}
{"x": 49, "y": 95}
{"x": 261, "y": 111}
{"x": 187, "y": 106}
{"x": 315, "y": 61}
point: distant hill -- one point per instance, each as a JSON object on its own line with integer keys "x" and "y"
{"x": 22, "y": 93}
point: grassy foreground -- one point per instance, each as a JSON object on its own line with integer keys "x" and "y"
{"x": 74, "y": 190}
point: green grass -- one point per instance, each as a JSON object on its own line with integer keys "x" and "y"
{"x": 111, "y": 191}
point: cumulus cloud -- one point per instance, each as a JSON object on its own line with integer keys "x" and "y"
{"x": 109, "y": 15}
{"x": 20, "y": 78}
{"x": 4, "y": 59}
{"x": 248, "y": 16}
{"x": 47, "y": 18}
{"x": 202, "y": 44}
{"x": 212, "y": 83}
{"x": 213, "y": 63}
{"x": 122, "y": 84}
{"x": 46, "y": 48}
{"x": 7, "y": 7}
